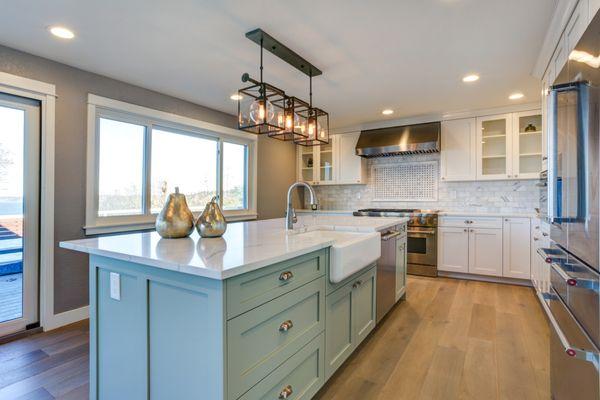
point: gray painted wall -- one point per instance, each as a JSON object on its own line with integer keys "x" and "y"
{"x": 72, "y": 87}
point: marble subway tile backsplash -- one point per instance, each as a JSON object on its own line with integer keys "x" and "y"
{"x": 512, "y": 196}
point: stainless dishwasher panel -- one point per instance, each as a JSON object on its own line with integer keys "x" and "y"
{"x": 386, "y": 273}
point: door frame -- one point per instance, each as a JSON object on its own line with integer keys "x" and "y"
{"x": 46, "y": 94}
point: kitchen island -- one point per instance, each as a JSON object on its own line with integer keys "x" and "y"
{"x": 253, "y": 314}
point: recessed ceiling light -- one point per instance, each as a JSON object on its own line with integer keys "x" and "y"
{"x": 61, "y": 32}
{"x": 471, "y": 78}
{"x": 235, "y": 97}
{"x": 387, "y": 111}
{"x": 516, "y": 96}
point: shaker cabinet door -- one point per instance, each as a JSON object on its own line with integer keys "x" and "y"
{"x": 517, "y": 248}
{"x": 459, "y": 150}
{"x": 453, "y": 252}
{"x": 485, "y": 251}
{"x": 339, "y": 332}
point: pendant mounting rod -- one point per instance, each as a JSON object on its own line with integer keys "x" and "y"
{"x": 262, "y": 38}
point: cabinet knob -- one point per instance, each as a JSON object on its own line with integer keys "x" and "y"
{"x": 466, "y": 230}
{"x": 357, "y": 284}
{"x": 286, "y": 326}
{"x": 505, "y": 219}
{"x": 286, "y": 276}
{"x": 286, "y": 392}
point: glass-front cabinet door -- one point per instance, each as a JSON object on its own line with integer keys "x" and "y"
{"x": 307, "y": 163}
{"x": 326, "y": 170}
{"x": 494, "y": 141}
{"x": 527, "y": 144}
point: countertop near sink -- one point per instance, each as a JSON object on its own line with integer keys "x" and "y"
{"x": 442, "y": 213}
{"x": 246, "y": 246}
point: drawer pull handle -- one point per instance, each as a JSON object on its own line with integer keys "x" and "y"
{"x": 286, "y": 326}
{"x": 357, "y": 284}
{"x": 286, "y": 276}
{"x": 286, "y": 392}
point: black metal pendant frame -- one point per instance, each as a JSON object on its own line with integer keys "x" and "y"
{"x": 260, "y": 91}
{"x": 318, "y": 118}
{"x": 293, "y": 107}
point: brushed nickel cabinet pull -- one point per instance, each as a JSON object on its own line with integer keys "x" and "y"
{"x": 286, "y": 326}
{"x": 286, "y": 392}
{"x": 286, "y": 276}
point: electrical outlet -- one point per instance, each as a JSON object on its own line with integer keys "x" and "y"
{"x": 115, "y": 286}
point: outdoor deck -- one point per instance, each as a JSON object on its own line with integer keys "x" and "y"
{"x": 11, "y": 293}
{"x": 11, "y": 268}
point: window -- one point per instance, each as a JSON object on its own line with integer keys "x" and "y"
{"x": 137, "y": 156}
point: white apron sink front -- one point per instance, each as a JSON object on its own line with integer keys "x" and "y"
{"x": 351, "y": 251}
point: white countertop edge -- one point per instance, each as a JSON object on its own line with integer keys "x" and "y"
{"x": 441, "y": 213}
{"x": 196, "y": 270}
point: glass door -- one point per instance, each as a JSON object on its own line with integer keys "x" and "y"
{"x": 527, "y": 161}
{"x": 494, "y": 147}
{"x": 19, "y": 212}
{"x": 307, "y": 164}
{"x": 326, "y": 162}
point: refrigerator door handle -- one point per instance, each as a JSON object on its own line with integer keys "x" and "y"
{"x": 572, "y": 351}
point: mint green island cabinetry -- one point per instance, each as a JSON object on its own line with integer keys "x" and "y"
{"x": 164, "y": 330}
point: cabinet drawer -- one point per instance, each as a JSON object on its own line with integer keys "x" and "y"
{"x": 300, "y": 377}
{"x": 332, "y": 287}
{"x": 261, "y": 339}
{"x": 471, "y": 222}
{"x": 247, "y": 291}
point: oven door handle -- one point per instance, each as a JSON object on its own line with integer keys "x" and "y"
{"x": 390, "y": 235}
{"x": 431, "y": 232}
{"x": 571, "y": 351}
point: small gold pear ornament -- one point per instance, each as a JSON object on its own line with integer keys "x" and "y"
{"x": 211, "y": 222}
{"x": 175, "y": 219}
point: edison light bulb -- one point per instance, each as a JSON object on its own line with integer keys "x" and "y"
{"x": 311, "y": 129}
{"x": 261, "y": 111}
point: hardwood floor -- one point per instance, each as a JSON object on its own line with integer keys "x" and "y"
{"x": 450, "y": 339}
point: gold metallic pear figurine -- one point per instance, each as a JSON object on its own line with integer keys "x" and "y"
{"x": 175, "y": 219}
{"x": 211, "y": 222}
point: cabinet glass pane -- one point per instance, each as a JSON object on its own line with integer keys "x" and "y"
{"x": 493, "y": 142}
{"x": 530, "y": 144}
{"x": 326, "y": 164}
{"x": 307, "y": 163}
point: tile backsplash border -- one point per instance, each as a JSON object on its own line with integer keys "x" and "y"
{"x": 505, "y": 196}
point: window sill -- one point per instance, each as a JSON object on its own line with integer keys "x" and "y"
{"x": 102, "y": 229}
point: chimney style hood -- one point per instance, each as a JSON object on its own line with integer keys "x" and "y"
{"x": 399, "y": 140}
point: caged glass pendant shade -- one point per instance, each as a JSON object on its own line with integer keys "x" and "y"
{"x": 317, "y": 127}
{"x": 258, "y": 108}
{"x": 293, "y": 123}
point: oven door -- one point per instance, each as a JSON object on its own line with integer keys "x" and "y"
{"x": 422, "y": 246}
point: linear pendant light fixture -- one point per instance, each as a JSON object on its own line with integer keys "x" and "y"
{"x": 263, "y": 108}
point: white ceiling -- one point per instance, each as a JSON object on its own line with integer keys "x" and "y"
{"x": 408, "y": 55}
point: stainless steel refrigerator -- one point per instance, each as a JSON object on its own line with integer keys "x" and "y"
{"x": 572, "y": 302}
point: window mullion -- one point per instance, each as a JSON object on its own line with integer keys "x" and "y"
{"x": 147, "y": 171}
{"x": 220, "y": 172}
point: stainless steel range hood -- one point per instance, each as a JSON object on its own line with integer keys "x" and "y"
{"x": 399, "y": 140}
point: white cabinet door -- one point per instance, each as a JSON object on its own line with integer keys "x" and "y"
{"x": 325, "y": 169}
{"x": 560, "y": 56}
{"x": 459, "y": 150}
{"x": 485, "y": 251}
{"x": 494, "y": 147}
{"x": 453, "y": 249}
{"x": 546, "y": 82}
{"x": 576, "y": 25}
{"x": 306, "y": 164}
{"x": 351, "y": 168}
{"x": 517, "y": 250}
{"x": 527, "y": 144}
{"x": 593, "y": 8}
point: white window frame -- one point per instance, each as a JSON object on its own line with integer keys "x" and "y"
{"x": 117, "y": 110}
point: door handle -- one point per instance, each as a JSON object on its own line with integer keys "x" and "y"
{"x": 431, "y": 232}
{"x": 390, "y": 235}
{"x": 572, "y": 351}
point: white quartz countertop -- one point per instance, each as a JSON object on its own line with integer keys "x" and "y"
{"x": 441, "y": 212}
{"x": 246, "y": 246}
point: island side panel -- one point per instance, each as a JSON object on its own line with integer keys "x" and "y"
{"x": 163, "y": 338}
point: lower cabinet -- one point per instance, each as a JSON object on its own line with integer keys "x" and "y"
{"x": 350, "y": 317}
{"x": 401, "y": 269}
{"x": 517, "y": 248}
{"x": 485, "y": 251}
{"x": 453, "y": 244}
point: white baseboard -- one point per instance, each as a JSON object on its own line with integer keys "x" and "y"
{"x": 66, "y": 318}
{"x": 484, "y": 278}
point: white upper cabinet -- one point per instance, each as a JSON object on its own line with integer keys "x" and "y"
{"x": 527, "y": 144}
{"x": 517, "y": 248}
{"x": 352, "y": 168}
{"x": 458, "y": 159}
{"x": 576, "y": 25}
{"x": 494, "y": 147}
{"x": 593, "y": 7}
{"x": 332, "y": 164}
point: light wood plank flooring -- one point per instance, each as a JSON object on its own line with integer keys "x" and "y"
{"x": 450, "y": 339}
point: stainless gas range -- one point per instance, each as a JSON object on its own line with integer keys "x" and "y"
{"x": 422, "y": 236}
